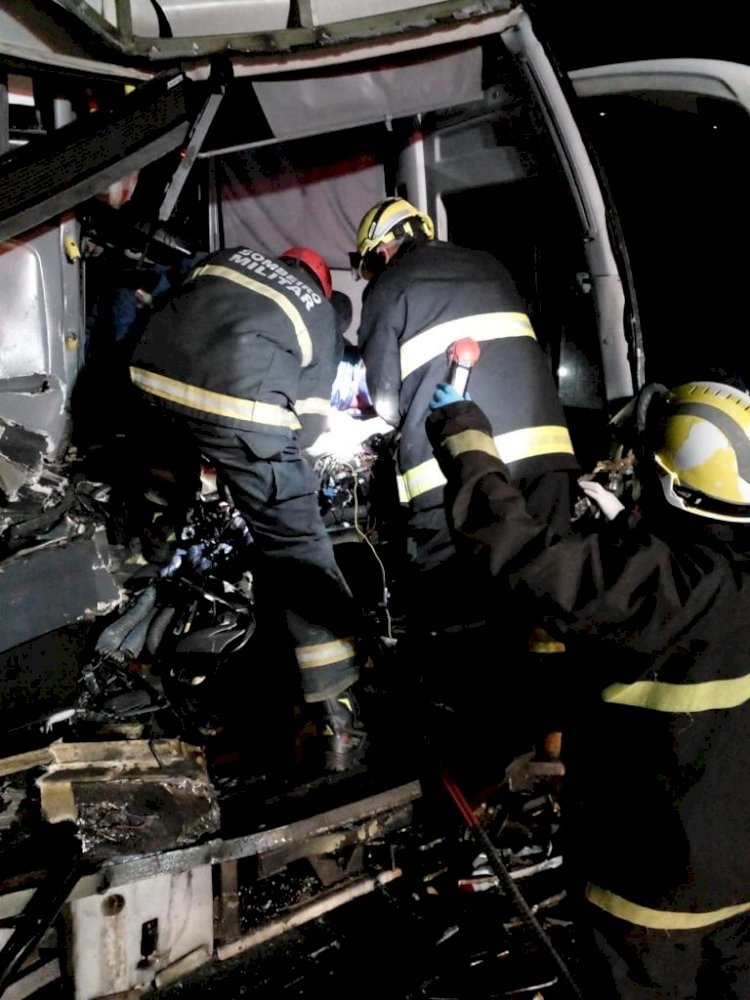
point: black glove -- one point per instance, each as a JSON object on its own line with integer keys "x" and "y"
{"x": 453, "y": 417}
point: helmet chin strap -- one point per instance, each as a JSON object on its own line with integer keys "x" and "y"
{"x": 375, "y": 261}
{"x": 371, "y": 264}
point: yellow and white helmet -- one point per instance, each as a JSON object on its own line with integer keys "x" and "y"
{"x": 389, "y": 220}
{"x": 704, "y": 450}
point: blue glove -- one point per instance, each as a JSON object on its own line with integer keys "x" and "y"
{"x": 444, "y": 395}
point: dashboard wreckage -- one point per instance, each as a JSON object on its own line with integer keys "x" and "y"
{"x": 159, "y": 820}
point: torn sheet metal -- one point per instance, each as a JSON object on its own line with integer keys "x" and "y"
{"x": 21, "y": 457}
{"x": 41, "y": 330}
{"x": 129, "y": 797}
{"x": 251, "y": 845}
{"x": 34, "y": 602}
{"x": 142, "y": 936}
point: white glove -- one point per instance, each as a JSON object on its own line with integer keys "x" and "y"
{"x": 346, "y": 435}
{"x": 604, "y": 499}
{"x": 326, "y": 444}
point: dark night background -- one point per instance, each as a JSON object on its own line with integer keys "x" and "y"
{"x": 677, "y": 171}
{"x": 591, "y": 32}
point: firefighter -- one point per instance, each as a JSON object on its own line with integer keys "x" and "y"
{"x": 423, "y": 295}
{"x": 244, "y": 357}
{"x": 653, "y": 605}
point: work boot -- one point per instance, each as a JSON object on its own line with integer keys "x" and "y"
{"x": 347, "y": 738}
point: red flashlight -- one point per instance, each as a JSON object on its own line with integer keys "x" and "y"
{"x": 462, "y": 356}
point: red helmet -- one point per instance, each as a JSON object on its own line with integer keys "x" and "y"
{"x": 314, "y": 263}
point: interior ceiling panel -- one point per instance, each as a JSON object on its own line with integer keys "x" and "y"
{"x": 296, "y": 108}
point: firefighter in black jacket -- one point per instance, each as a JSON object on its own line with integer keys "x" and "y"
{"x": 423, "y": 295}
{"x": 655, "y": 610}
{"x": 244, "y": 356}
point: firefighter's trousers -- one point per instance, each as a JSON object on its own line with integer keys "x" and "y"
{"x": 296, "y": 567}
{"x": 629, "y": 962}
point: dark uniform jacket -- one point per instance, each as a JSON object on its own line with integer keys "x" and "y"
{"x": 658, "y": 632}
{"x": 433, "y": 295}
{"x": 249, "y": 343}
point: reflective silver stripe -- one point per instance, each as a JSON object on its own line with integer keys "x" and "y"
{"x": 435, "y": 342}
{"x": 313, "y": 404}
{"x": 530, "y": 442}
{"x": 703, "y": 697}
{"x": 217, "y": 403}
{"x": 323, "y": 654}
{"x": 665, "y": 920}
{"x": 295, "y": 317}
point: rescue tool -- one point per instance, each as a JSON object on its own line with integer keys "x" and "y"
{"x": 462, "y": 355}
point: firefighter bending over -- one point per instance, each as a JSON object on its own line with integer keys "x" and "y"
{"x": 654, "y": 608}
{"x": 424, "y": 295}
{"x": 244, "y": 357}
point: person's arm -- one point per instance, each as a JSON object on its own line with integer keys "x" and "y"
{"x": 381, "y": 325}
{"x": 346, "y": 433}
{"x": 342, "y": 431}
{"x": 617, "y": 585}
{"x": 485, "y": 510}
{"x": 313, "y": 401}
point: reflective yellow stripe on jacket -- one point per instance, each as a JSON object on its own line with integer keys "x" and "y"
{"x": 313, "y": 404}
{"x": 665, "y": 920}
{"x": 435, "y": 341}
{"x": 510, "y": 447}
{"x": 300, "y": 329}
{"x": 323, "y": 654}
{"x": 704, "y": 696}
{"x": 232, "y": 407}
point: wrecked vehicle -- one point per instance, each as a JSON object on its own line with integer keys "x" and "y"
{"x": 280, "y": 130}
{"x": 270, "y": 139}
{"x": 135, "y": 136}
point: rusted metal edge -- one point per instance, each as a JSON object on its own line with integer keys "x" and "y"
{"x": 387, "y": 26}
{"x": 322, "y": 904}
{"x": 217, "y": 851}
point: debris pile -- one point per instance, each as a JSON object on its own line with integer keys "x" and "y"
{"x": 508, "y": 927}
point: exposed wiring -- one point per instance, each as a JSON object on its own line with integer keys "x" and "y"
{"x": 363, "y": 536}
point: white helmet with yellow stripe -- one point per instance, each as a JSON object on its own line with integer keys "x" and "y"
{"x": 703, "y": 455}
